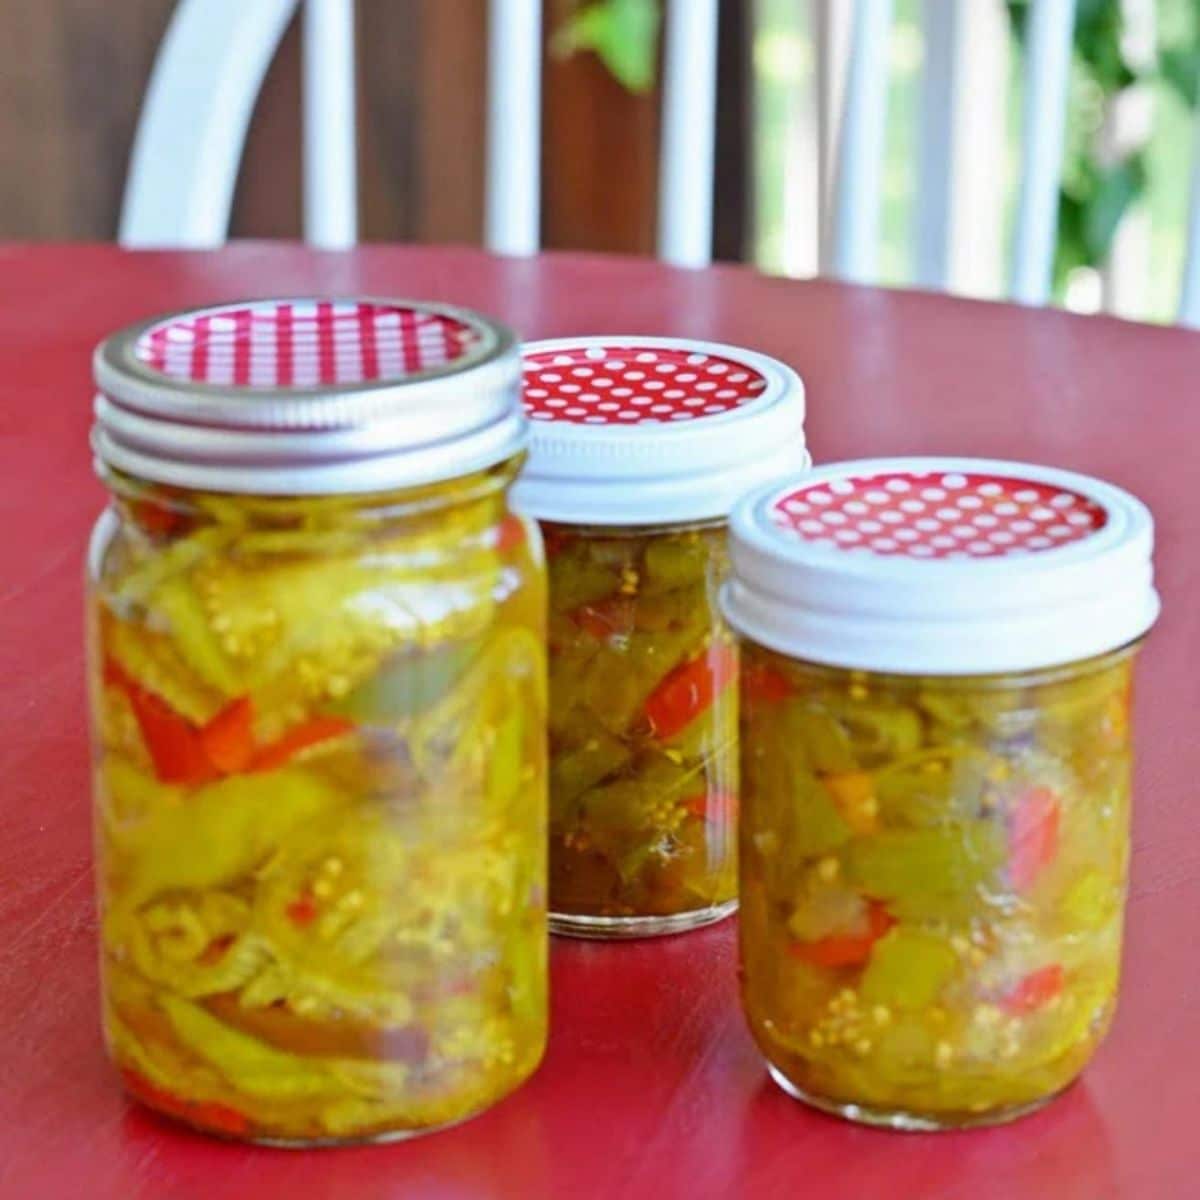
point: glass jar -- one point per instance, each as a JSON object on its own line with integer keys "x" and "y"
{"x": 639, "y": 447}
{"x": 318, "y": 692}
{"x": 935, "y": 780}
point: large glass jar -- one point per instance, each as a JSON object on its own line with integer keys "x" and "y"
{"x": 934, "y": 858}
{"x": 319, "y": 722}
{"x": 639, "y": 448}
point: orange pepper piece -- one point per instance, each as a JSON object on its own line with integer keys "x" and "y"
{"x": 854, "y": 794}
{"x": 228, "y": 739}
{"x": 846, "y": 949}
{"x": 1035, "y": 991}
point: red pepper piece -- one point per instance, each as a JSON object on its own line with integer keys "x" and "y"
{"x": 299, "y": 737}
{"x": 1032, "y": 836}
{"x": 216, "y": 950}
{"x": 228, "y": 739}
{"x": 555, "y": 541}
{"x": 1035, "y": 991}
{"x": 157, "y": 518}
{"x": 713, "y": 806}
{"x": 763, "y": 683}
{"x": 303, "y": 910}
{"x": 175, "y": 745}
{"x": 206, "y": 1113}
{"x": 511, "y": 534}
{"x": 688, "y": 690}
{"x": 219, "y": 1117}
{"x": 114, "y": 675}
{"x": 847, "y": 949}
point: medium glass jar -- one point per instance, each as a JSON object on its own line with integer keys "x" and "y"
{"x": 935, "y": 780}
{"x": 639, "y": 448}
{"x": 318, "y": 690}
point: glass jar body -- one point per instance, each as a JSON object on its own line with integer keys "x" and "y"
{"x": 320, "y": 805}
{"x": 933, "y": 876}
{"x": 643, "y": 729}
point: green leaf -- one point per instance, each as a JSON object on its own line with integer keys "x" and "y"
{"x": 1181, "y": 71}
{"x": 622, "y": 33}
{"x": 1116, "y": 189}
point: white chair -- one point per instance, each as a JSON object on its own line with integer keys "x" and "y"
{"x": 210, "y": 69}
{"x": 213, "y": 59}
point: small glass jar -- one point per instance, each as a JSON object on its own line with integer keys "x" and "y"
{"x": 937, "y": 662}
{"x": 639, "y": 448}
{"x": 318, "y": 691}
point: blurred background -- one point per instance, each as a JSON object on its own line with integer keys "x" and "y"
{"x": 73, "y": 74}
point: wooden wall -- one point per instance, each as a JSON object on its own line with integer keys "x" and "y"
{"x": 72, "y": 75}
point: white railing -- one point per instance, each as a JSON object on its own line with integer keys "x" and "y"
{"x": 1043, "y": 123}
{"x": 329, "y": 124}
{"x": 689, "y": 108}
{"x": 858, "y": 169}
{"x": 514, "y": 124}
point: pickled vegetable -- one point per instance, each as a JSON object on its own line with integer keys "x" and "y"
{"x": 643, "y": 725}
{"x": 321, "y": 806}
{"x": 933, "y": 875}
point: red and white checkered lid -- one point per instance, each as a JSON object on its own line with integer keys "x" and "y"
{"x": 309, "y": 396}
{"x": 640, "y": 430}
{"x": 946, "y": 566}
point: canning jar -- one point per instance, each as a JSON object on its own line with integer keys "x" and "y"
{"x": 936, "y": 682}
{"x": 639, "y": 447}
{"x": 317, "y": 682}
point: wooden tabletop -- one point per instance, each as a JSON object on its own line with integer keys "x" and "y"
{"x": 651, "y": 1086}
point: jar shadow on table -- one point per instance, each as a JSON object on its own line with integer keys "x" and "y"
{"x": 1064, "y": 1150}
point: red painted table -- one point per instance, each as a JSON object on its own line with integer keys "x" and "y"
{"x": 651, "y": 1086}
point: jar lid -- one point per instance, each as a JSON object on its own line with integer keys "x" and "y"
{"x": 941, "y": 566}
{"x": 304, "y": 396}
{"x": 643, "y": 430}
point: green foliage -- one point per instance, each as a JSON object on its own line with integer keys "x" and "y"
{"x": 1095, "y": 193}
{"x": 622, "y": 33}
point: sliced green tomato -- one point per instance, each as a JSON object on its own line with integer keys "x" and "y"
{"x": 683, "y": 608}
{"x": 879, "y": 730}
{"x": 932, "y": 786}
{"x": 506, "y": 759}
{"x": 407, "y": 684}
{"x": 670, "y": 563}
{"x": 850, "y": 946}
{"x": 577, "y": 578}
{"x": 1091, "y": 901}
{"x": 825, "y": 741}
{"x": 930, "y": 873}
{"x": 908, "y": 969}
{"x": 614, "y": 684}
{"x": 575, "y": 770}
{"x": 247, "y": 1064}
{"x": 228, "y": 828}
{"x": 193, "y": 635}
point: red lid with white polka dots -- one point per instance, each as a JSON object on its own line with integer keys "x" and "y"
{"x": 308, "y": 396}
{"x": 640, "y": 430}
{"x": 953, "y": 566}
